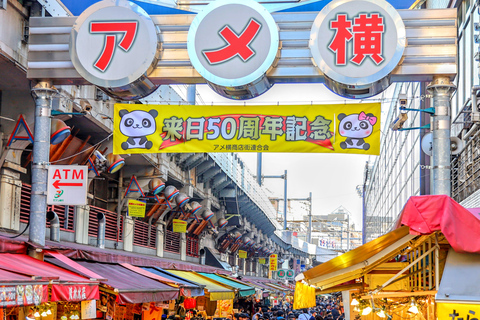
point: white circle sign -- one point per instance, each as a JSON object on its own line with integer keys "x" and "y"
{"x": 114, "y": 43}
{"x": 357, "y": 42}
{"x": 233, "y": 42}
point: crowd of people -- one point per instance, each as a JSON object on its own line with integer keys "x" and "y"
{"x": 326, "y": 309}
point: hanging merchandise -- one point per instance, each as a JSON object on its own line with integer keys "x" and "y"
{"x": 190, "y": 303}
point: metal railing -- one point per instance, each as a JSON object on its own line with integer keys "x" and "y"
{"x": 172, "y": 241}
{"x": 144, "y": 235}
{"x": 193, "y": 246}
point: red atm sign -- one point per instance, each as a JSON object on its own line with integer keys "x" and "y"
{"x": 67, "y": 185}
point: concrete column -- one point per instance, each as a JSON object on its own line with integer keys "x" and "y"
{"x": 441, "y": 89}
{"x": 80, "y": 223}
{"x": 160, "y": 239}
{"x": 183, "y": 246}
{"x": 10, "y": 198}
{"x": 128, "y": 226}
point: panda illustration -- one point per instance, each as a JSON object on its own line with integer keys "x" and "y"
{"x": 137, "y": 125}
{"x": 356, "y": 127}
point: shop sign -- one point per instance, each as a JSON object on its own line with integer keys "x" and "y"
{"x": 179, "y": 226}
{"x": 74, "y": 292}
{"x": 242, "y": 254}
{"x": 273, "y": 262}
{"x": 23, "y": 295}
{"x": 261, "y": 260}
{"x": 290, "y": 274}
{"x": 67, "y": 185}
{"x": 89, "y": 309}
{"x": 458, "y": 311}
{"x": 114, "y": 43}
{"x": 357, "y": 43}
{"x": 233, "y": 43}
{"x": 346, "y": 128}
{"x": 281, "y": 274}
{"x": 136, "y": 208}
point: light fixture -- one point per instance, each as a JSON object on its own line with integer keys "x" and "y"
{"x": 36, "y": 314}
{"x": 49, "y": 311}
{"x": 381, "y": 313}
{"x": 64, "y": 317}
{"x": 366, "y": 311}
{"x": 413, "y": 307}
{"x": 44, "y": 314}
{"x": 115, "y": 163}
{"x": 354, "y": 302}
{"x": 356, "y": 309}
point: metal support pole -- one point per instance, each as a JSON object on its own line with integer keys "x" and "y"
{"x": 191, "y": 94}
{"x": 309, "y": 240}
{"x": 285, "y": 203}
{"x": 441, "y": 88}
{"x": 259, "y": 168}
{"x": 41, "y": 156}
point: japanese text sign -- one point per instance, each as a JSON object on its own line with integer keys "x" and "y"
{"x": 458, "y": 311}
{"x": 346, "y": 128}
{"x": 75, "y": 292}
{"x": 136, "y": 208}
{"x": 179, "y": 226}
{"x": 23, "y": 295}
{"x": 242, "y": 254}
{"x": 261, "y": 260}
{"x": 273, "y": 262}
{"x": 357, "y": 42}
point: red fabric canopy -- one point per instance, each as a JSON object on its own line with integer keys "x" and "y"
{"x": 427, "y": 214}
{"x": 26, "y": 265}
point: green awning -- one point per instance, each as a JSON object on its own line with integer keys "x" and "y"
{"x": 217, "y": 291}
{"x": 243, "y": 289}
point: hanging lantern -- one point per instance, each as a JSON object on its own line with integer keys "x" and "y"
{"x": 207, "y": 214}
{"x": 181, "y": 199}
{"x": 237, "y": 235}
{"x": 195, "y": 207}
{"x": 114, "y": 162}
{"x": 59, "y": 131}
{"x": 170, "y": 193}
{"x": 156, "y": 186}
{"x": 222, "y": 222}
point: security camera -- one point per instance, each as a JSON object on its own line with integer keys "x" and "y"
{"x": 402, "y": 100}
{"x": 100, "y": 156}
{"x": 86, "y": 106}
{"x": 399, "y": 121}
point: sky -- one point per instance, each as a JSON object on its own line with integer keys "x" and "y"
{"x": 332, "y": 178}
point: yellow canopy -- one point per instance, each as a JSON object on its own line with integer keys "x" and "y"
{"x": 304, "y": 296}
{"x": 355, "y": 263}
{"x": 216, "y": 290}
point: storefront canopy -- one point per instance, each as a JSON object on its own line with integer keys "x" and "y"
{"x": 277, "y": 287}
{"x": 257, "y": 284}
{"x": 243, "y": 289}
{"x": 131, "y": 286}
{"x": 357, "y": 262}
{"x": 427, "y": 214}
{"x": 187, "y": 288}
{"x": 216, "y": 290}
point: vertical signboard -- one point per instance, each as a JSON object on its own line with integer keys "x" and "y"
{"x": 273, "y": 262}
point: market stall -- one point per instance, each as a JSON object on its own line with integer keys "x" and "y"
{"x": 412, "y": 272}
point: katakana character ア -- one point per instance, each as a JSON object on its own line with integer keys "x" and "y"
{"x": 273, "y": 126}
{"x": 194, "y": 128}
{"x": 295, "y": 127}
{"x": 249, "y": 128}
{"x": 320, "y": 129}
{"x": 367, "y": 38}
{"x": 173, "y": 128}
{"x": 216, "y": 146}
{"x": 342, "y": 35}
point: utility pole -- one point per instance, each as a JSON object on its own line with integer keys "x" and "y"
{"x": 259, "y": 168}
{"x": 285, "y": 200}
{"x": 43, "y": 93}
{"x": 309, "y": 239}
{"x": 441, "y": 88}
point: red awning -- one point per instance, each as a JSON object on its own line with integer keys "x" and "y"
{"x": 427, "y": 214}
{"x": 132, "y": 287}
{"x": 74, "y": 265}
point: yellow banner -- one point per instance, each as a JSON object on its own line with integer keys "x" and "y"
{"x": 345, "y": 128}
{"x": 136, "y": 208}
{"x": 457, "y": 311}
{"x": 242, "y": 254}
{"x": 273, "y": 262}
{"x": 179, "y": 226}
{"x": 261, "y": 260}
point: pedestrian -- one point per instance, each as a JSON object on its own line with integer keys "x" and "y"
{"x": 335, "y": 313}
{"x": 257, "y": 315}
{"x": 304, "y": 315}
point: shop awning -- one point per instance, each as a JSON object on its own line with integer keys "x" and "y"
{"x": 427, "y": 214}
{"x": 460, "y": 278}
{"x": 187, "y": 288}
{"x": 66, "y": 285}
{"x": 243, "y": 289}
{"x": 217, "y": 291}
{"x": 131, "y": 286}
{"x": 257, "y": 284}
{"x": 276, "y": 287}
{"x": 359, "y": 261}
{"x": 14, "y": 291}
